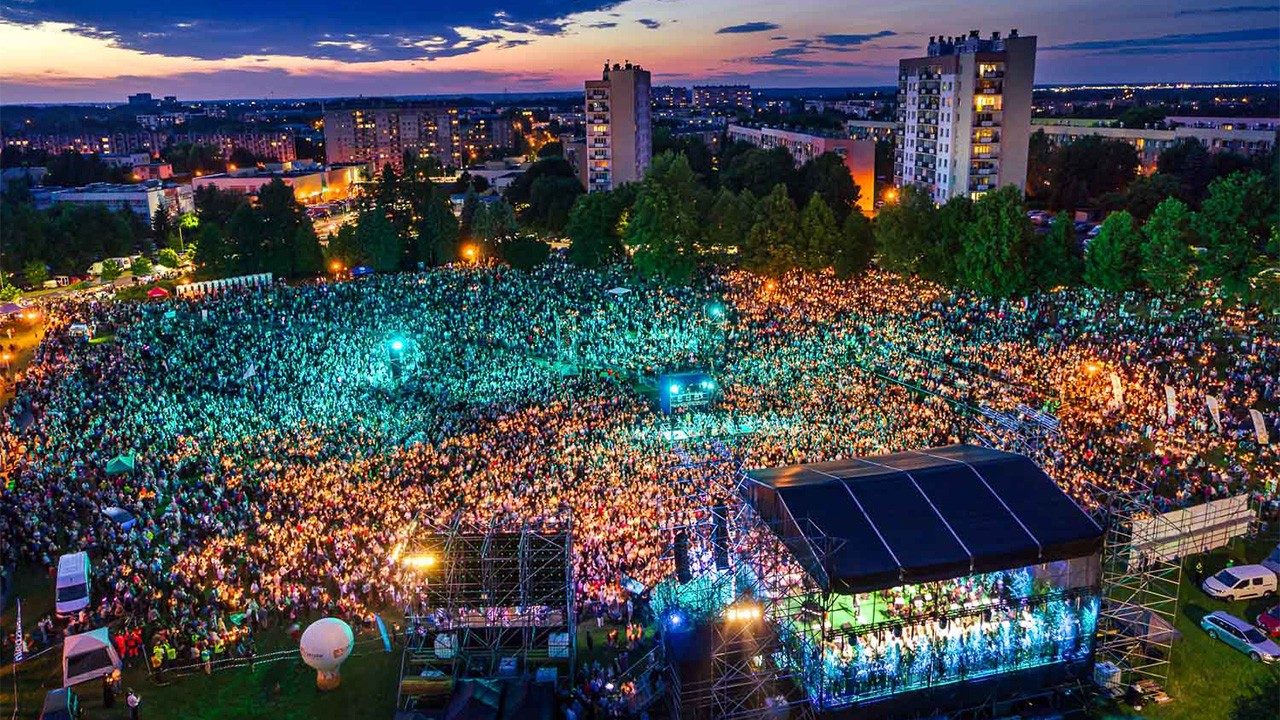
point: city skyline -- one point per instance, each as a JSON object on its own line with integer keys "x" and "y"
{"x": 82, "y": 51}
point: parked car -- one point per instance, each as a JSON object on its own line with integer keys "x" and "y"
{"x": 71, "y": 594}
{"x": 1240, "y": 635}
{"x": 1241, "y": 582}
{"x": 1269, "y": 621}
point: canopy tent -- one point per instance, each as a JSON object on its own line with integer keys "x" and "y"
{"x": 120, "y": 464}
{"x": 617, "y": 291}
{"x": 918, "y": 516}
{"x": 10, "y": 309}
{"x": 156, "y": 293}
{"x": 120, "y": 516}
{"x": 87, "y": 656}
{"x": 60, "y": 704}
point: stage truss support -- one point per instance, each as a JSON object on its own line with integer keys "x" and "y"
{"x": 496, "y": 601}
{"x": 1139, "y": 587}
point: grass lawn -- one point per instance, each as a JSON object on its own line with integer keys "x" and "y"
{"x": 1207, "y": 676}
{"x": 282, "y": 690}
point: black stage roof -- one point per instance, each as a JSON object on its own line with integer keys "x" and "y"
{"x": 920, "y": 515}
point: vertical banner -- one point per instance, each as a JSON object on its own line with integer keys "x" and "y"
{"x": 20, "y": 642}
{"x": 1215, "y": 411}
{"x": 1117, "y": 390}
{"x": 1170, "y": 403}
{"x": 1259, "y": 427}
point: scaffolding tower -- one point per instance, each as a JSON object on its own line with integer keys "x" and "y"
{"x": 1139, "y": 586}
{"x": 496, "y": 601}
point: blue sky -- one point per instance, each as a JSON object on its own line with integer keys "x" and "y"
{"x": 103, "y": 49}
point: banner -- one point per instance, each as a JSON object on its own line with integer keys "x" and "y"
{"x": 1214, "y": 411}
{"x": 1171, "y": 403}
{"x": 1117, "y": 390}
{"x": 20, "y": 642}
{"x": 1259, "y": 427}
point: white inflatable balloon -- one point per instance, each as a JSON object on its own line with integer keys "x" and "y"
{"x": 325, "y": 644}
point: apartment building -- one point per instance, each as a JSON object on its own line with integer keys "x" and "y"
{"x": 381, "y": 136}
{"x": 1244, "y": 136}
{"x": 964, "y": 115}
{"x": 723, "y": 97}
{"x": 619, "y": 144}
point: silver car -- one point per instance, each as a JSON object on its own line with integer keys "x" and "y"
{"x": 1240, "y": 635}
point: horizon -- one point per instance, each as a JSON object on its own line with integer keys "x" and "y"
{"x": 92, "y": 53}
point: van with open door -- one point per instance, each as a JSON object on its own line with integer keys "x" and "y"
{"x": 72, "y": 591}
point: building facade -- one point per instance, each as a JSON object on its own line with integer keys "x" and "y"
{"x": 310, "y": 182}
{"x": 619, "y": 135}
{"x": 381, "y": 136}
{"x": 1244, "y": 136}
{"x": 964, "y": 113}
{"x": 274, "y": 145}
{"x": 878, "y": 130}
{"x": 723, "y": 97}
{"x": 142, "y": 199}
{"x": 858, "y": 155}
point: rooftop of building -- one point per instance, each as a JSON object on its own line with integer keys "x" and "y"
{"x": 942, "y": 45}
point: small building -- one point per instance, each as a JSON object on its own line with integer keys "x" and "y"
{"x": 311, "y": 182}
{"x": 143, "y": 199}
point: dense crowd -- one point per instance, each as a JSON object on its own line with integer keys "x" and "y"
{"x": 288, "y": 439}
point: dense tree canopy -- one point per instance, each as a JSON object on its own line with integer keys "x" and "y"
{"x": 993, "y": 260}
{"x": 665, "y": 225}
{"x": 1113, "y": 257}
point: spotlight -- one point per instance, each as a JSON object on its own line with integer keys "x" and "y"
{"x": 419, "y": 562}
{"x": 708, "y": 385}
{"x": 397, "y": 345}
{"x": 674, "y": 389}
{"x": 676, "y": 620}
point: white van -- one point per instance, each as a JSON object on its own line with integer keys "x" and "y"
{"x": 1241, "y": 582}
{"x": 72, "y": 592}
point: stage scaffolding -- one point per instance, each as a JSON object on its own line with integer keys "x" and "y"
{"x": 496, "y": 601}
{"x": 749, "y": 676}
{"x": 1139, "y": 588}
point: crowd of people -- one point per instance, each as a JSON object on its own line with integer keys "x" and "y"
{"x": 287, "y": 439}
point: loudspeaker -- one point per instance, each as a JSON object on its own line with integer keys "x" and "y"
{"x": 683, "y": 573}
{"x": 720, "y": 537}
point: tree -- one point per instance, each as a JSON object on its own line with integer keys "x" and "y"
{"x": 993, "y": 260}
{"x": 819, "y": 234}
{"x": 215, "y": 206}
{"x": 857, "y": 245}
{"x": 141, "y": 267}
{"x": 344, "y": 248}
{"x": 35, "y": 273}
{"x": 377, "y": 239}
{"x": 111, "y": 270}
{"x": 1236, "y": 222}
{"x": 470, "y": 202}
{"x": 494, "y": 221}
{"x": 524, "y": 252}
{"x": 1113, "y": 257}
{"x": 1166, "y": 247}
{"x": 1145, "y": 193}
{"x": 759, "y": 171}
{"x": 1053, "y": 260}
{"x": 942, "y": 251}
{"x": 161, "y": 226}
{"x": 520, "y": 191}
{"x": 594, "y": 236}
{"x": 730, "y": 219}
{"x": 1088, "y": 168}
{"x": 829, "y": 177}
{"x": 213, "y": 252}
{"x": 550, "y": 201}
{"x": 665, "y": 226}
{"x": 437, "y": 241}
{"x": 771, "y": 247}
{"x": 168, "y": 258}
{"x": 905, "y": 229}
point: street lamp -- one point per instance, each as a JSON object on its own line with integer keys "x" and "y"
{"x": 469, "y": 252}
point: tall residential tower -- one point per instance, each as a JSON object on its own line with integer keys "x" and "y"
{"x": 619, "y": 139}
{"x": 964, "y": 115}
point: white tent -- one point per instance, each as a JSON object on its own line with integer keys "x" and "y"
{"x": 617, "y": 291}
{"x": 87, "y": 656}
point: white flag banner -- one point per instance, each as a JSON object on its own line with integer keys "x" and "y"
{"x": 1171, "y": 403}
{"x": 1259, "y": 427}
{"x": 20, "y": 642}
{"x": 1215, "y": 411}
{"x": 1117, "y": 390}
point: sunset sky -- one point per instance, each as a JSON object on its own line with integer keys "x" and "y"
{"x": 99, "y": 50}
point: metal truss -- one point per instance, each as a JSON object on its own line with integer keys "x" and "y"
{"x": 1139, "y": 585}
{"x": 496, "y": 600}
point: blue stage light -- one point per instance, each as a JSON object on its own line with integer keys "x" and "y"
{"x": 397, "y": 345}
{"x": 674, "y": 389}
